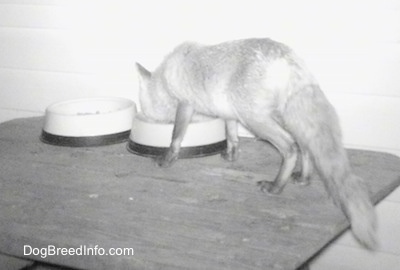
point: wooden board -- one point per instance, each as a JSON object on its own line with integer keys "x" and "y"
{"x": 202, "y": 213}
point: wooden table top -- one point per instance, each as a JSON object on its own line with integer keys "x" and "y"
{"x": 202, "y": 213}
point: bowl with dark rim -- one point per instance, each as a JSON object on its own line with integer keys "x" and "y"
{"x": 202, "y": 138}
{"x": 88, "y": 122}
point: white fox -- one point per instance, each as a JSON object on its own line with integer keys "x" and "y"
{"x": 263, "y": 85}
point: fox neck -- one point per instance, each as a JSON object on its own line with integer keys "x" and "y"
{"x": 156, "y": 104}
{"x": 149, "y": 102}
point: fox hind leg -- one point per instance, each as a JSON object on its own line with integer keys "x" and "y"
{"x": 232, "y": 151}
{"x": 303, "y": 176}
{"x": 272, "y": 131}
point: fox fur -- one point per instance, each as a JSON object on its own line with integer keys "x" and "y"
{"x": 265, "y": 86}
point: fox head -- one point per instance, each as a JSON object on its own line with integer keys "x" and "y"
{"x": 155, "y": 101}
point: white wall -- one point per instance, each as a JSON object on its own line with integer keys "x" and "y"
{"x": 52, "y": 50}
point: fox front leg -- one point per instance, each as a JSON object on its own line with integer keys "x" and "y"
{"x": 183, "y": 116}
{"x": 232, "y": 151}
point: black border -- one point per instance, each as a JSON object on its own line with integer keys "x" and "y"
{"x": 185, "y": 152}
{"x": 88, "y": 141}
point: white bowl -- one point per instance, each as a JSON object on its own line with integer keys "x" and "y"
{"x": 88, "y": 122}
{"x": 202, "y": 138}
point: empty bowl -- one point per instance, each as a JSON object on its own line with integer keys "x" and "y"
{"x": 202, "y": 138}
{"x": 88, "y": 122}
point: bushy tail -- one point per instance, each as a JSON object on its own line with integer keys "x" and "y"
{"x": 313, "y": 122}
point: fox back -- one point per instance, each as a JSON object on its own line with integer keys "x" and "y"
{"x": 224, "y": 80}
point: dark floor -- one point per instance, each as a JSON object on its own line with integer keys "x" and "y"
{"x": 13, "y": 263}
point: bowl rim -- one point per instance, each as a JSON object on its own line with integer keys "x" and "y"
{"x": 52, "y": 108}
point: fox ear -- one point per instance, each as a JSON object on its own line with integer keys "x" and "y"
{"x": 144, "y": 74}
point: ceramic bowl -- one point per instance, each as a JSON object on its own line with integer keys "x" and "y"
{"x": 88, "y": 122}
{"x": 202, "y": 138}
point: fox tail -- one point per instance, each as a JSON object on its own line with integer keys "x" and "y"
{"x": 313, "y": 122}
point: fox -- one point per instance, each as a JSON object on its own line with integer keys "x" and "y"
{"x": 263, "y": 85}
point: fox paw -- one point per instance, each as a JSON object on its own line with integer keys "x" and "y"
{"x": 166, "y": 160}
{"x": 299, "y": 179}
{"x": 270, "y": 187}
{"x": 230, "y": 156}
